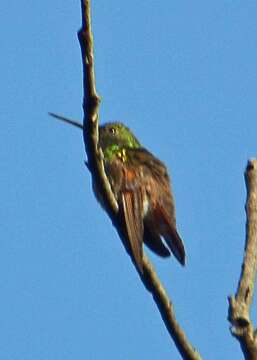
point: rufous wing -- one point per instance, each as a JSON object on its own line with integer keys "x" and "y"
{"x": 132, "y": 209}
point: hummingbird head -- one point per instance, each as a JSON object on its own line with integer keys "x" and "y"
{"x": 116, "y": 135}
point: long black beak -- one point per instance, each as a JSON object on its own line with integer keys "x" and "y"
{"x": 66, "y": 120}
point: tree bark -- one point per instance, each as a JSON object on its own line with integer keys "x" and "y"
{"x": 239, "y": 305}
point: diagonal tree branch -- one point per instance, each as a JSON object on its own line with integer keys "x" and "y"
{"x": 165, "y": 306}
{"x": 240, "y": 304}
{"x": 91, "y": 104}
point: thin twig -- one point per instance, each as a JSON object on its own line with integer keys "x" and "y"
{"x": 91, "y": 104}
{"x": 240, "y": 304}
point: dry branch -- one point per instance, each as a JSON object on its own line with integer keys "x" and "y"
{"x": 91, "y": 104}
{"x": 240, "y": 304}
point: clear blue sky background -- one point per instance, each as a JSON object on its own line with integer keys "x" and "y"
{"x": 182, "y": 75}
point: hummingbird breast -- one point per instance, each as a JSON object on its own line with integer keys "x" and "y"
{"x": 141, "y": 173}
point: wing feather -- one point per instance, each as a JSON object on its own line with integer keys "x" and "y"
{"x": 131, "y": 205}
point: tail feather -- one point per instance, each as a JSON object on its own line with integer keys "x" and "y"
{"x": 175, "y": 244}
{"x": 169, "y": 232}
{"x": 153, "y": 240}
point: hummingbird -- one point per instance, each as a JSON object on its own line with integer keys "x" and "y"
{"x": 142, "y": 188}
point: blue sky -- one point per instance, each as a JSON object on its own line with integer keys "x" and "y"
{"x": 182, "y": 75}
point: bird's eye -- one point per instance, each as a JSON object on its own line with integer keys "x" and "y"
{"x": 112, "y": 130}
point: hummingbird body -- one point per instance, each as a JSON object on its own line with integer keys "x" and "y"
{"x": 141, "y": 186}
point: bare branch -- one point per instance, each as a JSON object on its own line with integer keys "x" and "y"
{"x": 91, "y": 104}
{"x": 164, "y": 304}
{"x": 240, "y": 304}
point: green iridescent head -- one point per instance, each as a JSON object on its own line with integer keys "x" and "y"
{"x": 116, "y": 135}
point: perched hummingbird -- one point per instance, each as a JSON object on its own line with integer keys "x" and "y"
{"x": 141, "y": 185}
